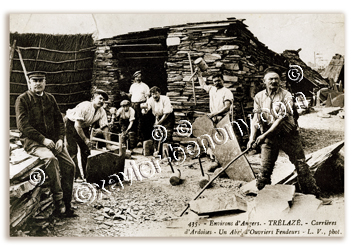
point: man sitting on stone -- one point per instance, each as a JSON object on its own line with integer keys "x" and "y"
{"x": 39, "y": 120}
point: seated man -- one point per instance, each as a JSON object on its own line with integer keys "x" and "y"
{"x": 39, "y": 120}
{"x": 113, "y": 123}
{"x": 126, "y": 118}
{"x": 162, "y": 110}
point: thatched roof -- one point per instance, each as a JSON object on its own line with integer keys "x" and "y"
{"x": 67, "y": 60}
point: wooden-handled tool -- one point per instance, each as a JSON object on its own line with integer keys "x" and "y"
{"x": 201, "y": 64}
{"x": 205, "y": 177}
{"x": 217, "y": 175}
{"x": 92, "y": 138}
{"x": 119, "y": 144}
{"x": 174, "y": 180}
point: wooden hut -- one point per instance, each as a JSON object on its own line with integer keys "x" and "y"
{"x": 311, "y": 78}
{"x": 165, "y": 55}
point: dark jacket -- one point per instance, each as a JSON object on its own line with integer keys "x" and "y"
{"x": 38, "y": 118}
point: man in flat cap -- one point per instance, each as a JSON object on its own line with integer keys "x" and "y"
{"x": 78, "y": 122}
{"x": 274, "y": 117}
{"x": 39, "y": 120}
{"x": 161, "y": 108}
{"x": 139, "y": 92}
{"x": 126, "y": 117}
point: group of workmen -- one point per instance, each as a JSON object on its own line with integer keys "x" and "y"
{"x": 55, "y": 138}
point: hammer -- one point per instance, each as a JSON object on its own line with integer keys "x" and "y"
{"x": 201, "y": 64}
{"x": 203, "y": 181}
{"x": 174, "y": 180}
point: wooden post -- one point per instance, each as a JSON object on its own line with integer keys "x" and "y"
{"x": 39, "y": 50}
{"x": 190, "y": 63}
{"x": 23, "y": 65}
{"x": 12, "y": 51}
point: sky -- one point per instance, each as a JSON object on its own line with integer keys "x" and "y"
{"x": 323, "y": 34}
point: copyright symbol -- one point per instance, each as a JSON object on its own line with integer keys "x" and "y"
{"x": 184, "y": 128}
{"x": 85, "y": 193}
{"x": 37, "y": 177}
{"x": 295, "y": 73}
{"x": 159, "y": 133}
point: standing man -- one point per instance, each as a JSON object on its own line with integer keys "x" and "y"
{"x": 78, "y": 123}
{"x": 273, "y": 115}
{"x": 220, "y": 104}
{"x": 39, "y": 120}
{"x": 221, "y": 98}
{"x": 139, "y": 93}
{"x": 162, "y": 109}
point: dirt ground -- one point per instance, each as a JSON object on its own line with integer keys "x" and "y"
{"x": 149, "y": 207}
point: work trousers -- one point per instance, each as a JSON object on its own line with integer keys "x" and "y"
{"x": 73, "y": 140}
{"x": 124, "y": 123}
{"x": 138, "y": 121}
{"x": 60, "y": 170}
{"x": 290, "y": 143}
{"x": 169, "y": 124}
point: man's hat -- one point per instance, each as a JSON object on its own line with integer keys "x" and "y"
{"x": 124, "y": 102}
{"x": 272, "y": 69}
{"x": 102, "y": 92}
{"x": 36, "y": 74}
{"x": 136, "y": 73}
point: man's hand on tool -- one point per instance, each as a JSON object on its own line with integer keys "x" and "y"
{"x": 88, "y": 143}
{"x": 260, "y": 139}
{"x": 250, "y": 144}
{"x": 198, "y": 71}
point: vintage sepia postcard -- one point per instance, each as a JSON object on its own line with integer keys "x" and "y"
{"x": 177, "y": 125}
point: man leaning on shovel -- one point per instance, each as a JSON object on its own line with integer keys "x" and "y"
{"x": 273, "y": 116}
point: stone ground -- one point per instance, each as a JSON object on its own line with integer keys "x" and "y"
{"x": 151, "y": 207}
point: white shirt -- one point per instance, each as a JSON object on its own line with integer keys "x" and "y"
{"x": 130, "y": 114}
{"x": 139, "y": 92}
{"x": 271, "y": 107}
{"x": 87, "y": 114}
{"x": 218, "y": 97}
{"x": 163, "y": 106}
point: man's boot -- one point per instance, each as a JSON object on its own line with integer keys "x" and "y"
{"x": 59, "y": 207}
